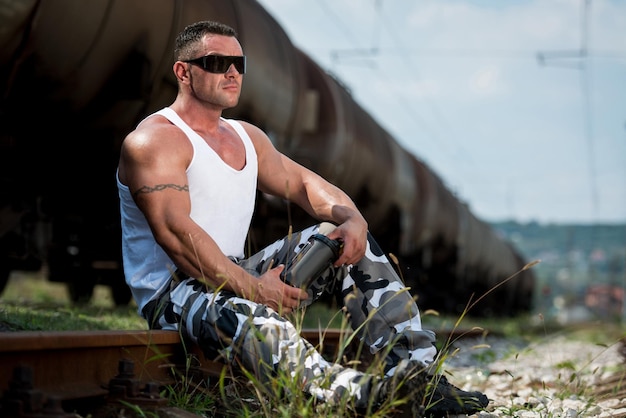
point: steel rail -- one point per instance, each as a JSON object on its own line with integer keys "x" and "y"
{"x": 42, "y": 369}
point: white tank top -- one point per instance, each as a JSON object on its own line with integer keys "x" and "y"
{"x": 222, "y": 203}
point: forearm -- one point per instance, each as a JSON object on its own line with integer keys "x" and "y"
{"x": 198, "y": 256}
{"x": 201, "y": 258}
{"x": 327, "y": 202}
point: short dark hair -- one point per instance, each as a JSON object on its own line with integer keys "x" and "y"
{"x": 185, "y": 45}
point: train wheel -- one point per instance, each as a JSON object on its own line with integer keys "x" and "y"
{"x": 121, "y": 294}
{"x": 4, "y": 277}
{"x": 80, "y": 291}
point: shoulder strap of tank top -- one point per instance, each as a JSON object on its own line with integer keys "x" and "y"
{"x": 173, "y": 117}
{"x": 238, "y": 127}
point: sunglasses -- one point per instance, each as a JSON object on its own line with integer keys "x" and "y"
{"x": 219, "y": 64}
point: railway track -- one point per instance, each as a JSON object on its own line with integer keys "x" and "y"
{"x": 614, "y": 388}
{"x": 44, "y": 374}
{"x": 41, "y": 372}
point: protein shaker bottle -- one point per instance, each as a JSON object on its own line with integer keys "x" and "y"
{"x": 306, "y": 266}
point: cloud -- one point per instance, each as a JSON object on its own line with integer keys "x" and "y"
{"x": 487, "y": 82}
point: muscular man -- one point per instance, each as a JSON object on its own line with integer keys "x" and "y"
{"x": 187, "y": 182}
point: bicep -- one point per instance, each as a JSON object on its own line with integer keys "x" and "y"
{"x": 278, "y": 175}
{"x": 281, "y": 177}
{"x": 155, "y": 173}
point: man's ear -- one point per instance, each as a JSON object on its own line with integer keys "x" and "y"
{"x": 181, "y": 71}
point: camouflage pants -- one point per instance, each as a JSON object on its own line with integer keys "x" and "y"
{"x": 225, "y": 326}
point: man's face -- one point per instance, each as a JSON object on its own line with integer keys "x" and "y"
{"x": 219, "y": 89}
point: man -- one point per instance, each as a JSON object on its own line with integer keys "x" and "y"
{"x": 187, "y": 182}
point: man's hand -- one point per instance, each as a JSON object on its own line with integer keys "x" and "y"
{"x": 353, "y": 236}
{"x": 276, "y": 294}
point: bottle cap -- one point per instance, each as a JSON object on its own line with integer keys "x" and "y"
{"x": 334, "y": 245}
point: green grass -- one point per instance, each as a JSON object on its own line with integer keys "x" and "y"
{"x": 32, "y": 303}
{"x": 16, "y": 316}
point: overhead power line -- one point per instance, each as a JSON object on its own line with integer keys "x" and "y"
{"x": 578, "y": 59}
{"x": 367, "y": 56}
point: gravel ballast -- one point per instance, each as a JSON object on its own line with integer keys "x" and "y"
{"x": 556, "y": 377}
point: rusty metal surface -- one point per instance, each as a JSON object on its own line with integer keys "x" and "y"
{"x": 81, "y": 364}
{"x": 41, "y": 373}
{"x": 39, "y": 370}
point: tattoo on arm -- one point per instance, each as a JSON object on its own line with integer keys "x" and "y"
{"x": 159, "y": 187}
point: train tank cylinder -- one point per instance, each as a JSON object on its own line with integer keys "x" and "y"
{"x": 85, "y": 73}
{"x": 274, "y": 96}
{"x": 437, "y": 214}
{"x": 15, "y": 20}
{"x": 82, "y": 73}
{"x": 504, "y": 267}
{"x": 526, "y": 286}
{"x": 88, "y": 72}
{"x": 345, "y": 145}
{"x": 404, "y": 202}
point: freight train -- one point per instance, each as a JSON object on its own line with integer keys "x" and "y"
{"x": 77, "y": 76}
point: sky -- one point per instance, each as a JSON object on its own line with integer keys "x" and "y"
{"x": 518, "y": 105}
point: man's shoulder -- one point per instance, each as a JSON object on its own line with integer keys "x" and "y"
{"x": 241, "y": 122}
{"x": 156, "y": 133}
{"x": 242, "y": 126}
{"x": 251, "y": 129}
{"x": 154, "y": 121}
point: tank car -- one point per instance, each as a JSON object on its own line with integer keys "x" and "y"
{"x": 77, "y": 76}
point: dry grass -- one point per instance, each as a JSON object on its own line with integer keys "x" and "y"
{"x": 34, "y": 287}
{"x": 31, "y": 302}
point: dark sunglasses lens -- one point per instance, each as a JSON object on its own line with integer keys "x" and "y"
{"x": 219, "y": 64}
{"x": 240, "y": 64}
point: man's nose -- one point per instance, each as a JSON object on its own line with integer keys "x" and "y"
{"x": 232, "y": 70}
